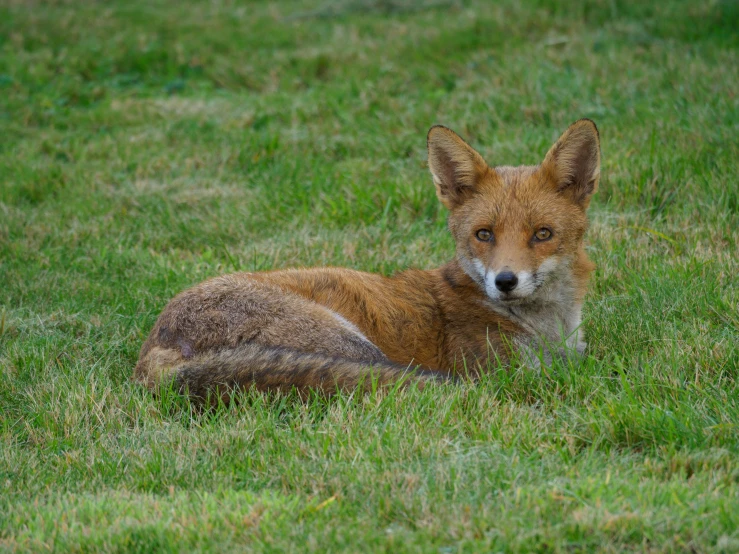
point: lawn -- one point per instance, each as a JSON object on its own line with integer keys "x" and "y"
{"x": 146, "y": 146}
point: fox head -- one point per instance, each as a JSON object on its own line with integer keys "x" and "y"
{"x": 519, "y": 229}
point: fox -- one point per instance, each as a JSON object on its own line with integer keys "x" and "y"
{"x": 514, "y": 288}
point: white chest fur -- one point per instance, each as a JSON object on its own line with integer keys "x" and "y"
{"x": 552, "y": 321}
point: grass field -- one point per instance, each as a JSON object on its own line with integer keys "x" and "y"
{"x": 145, "y": 146}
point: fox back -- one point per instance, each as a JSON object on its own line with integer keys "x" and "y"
{"x": 514, "y": 287}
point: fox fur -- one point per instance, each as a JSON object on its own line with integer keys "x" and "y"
{"x": 515, "y": 287}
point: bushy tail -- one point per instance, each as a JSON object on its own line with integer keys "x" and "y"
{"x": 217, "y": 373}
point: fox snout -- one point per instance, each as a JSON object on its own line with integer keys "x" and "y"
{"x": 509, "y": 284}
{"x": 506, "y": 281}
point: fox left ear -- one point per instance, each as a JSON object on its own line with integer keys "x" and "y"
{"x": 456, "y": 167}
{"x": 573, "y": 163}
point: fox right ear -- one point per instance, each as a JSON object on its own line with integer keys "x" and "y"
{"x": 455, "y": 166}
{"x": 573, "y": 163}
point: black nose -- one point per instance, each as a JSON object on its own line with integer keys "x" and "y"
{"x": 506, "y": 281}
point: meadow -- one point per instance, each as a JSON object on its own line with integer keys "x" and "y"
{"x": 146, "y": 146}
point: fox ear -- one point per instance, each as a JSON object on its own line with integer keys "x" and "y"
{"x": 455, "y": 166}
{"x": 573, "y": 163}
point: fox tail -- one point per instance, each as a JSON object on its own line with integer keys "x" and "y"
{"x": 216, "y": 374}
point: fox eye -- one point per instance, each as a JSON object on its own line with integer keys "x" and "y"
{"x": 543, "y": 234}
{"x": 484, "y": 235}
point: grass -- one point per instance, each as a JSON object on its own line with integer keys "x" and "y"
{"x": 145, "y": 146}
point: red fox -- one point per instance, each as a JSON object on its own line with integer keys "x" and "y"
{"x": 515, "y": 287}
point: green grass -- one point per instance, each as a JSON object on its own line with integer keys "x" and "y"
{"x": 145, "y": 146}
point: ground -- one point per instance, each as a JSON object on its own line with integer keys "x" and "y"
{"x": 145, "y": 146}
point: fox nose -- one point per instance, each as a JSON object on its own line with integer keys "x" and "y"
{"x": 506, "y": 281}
